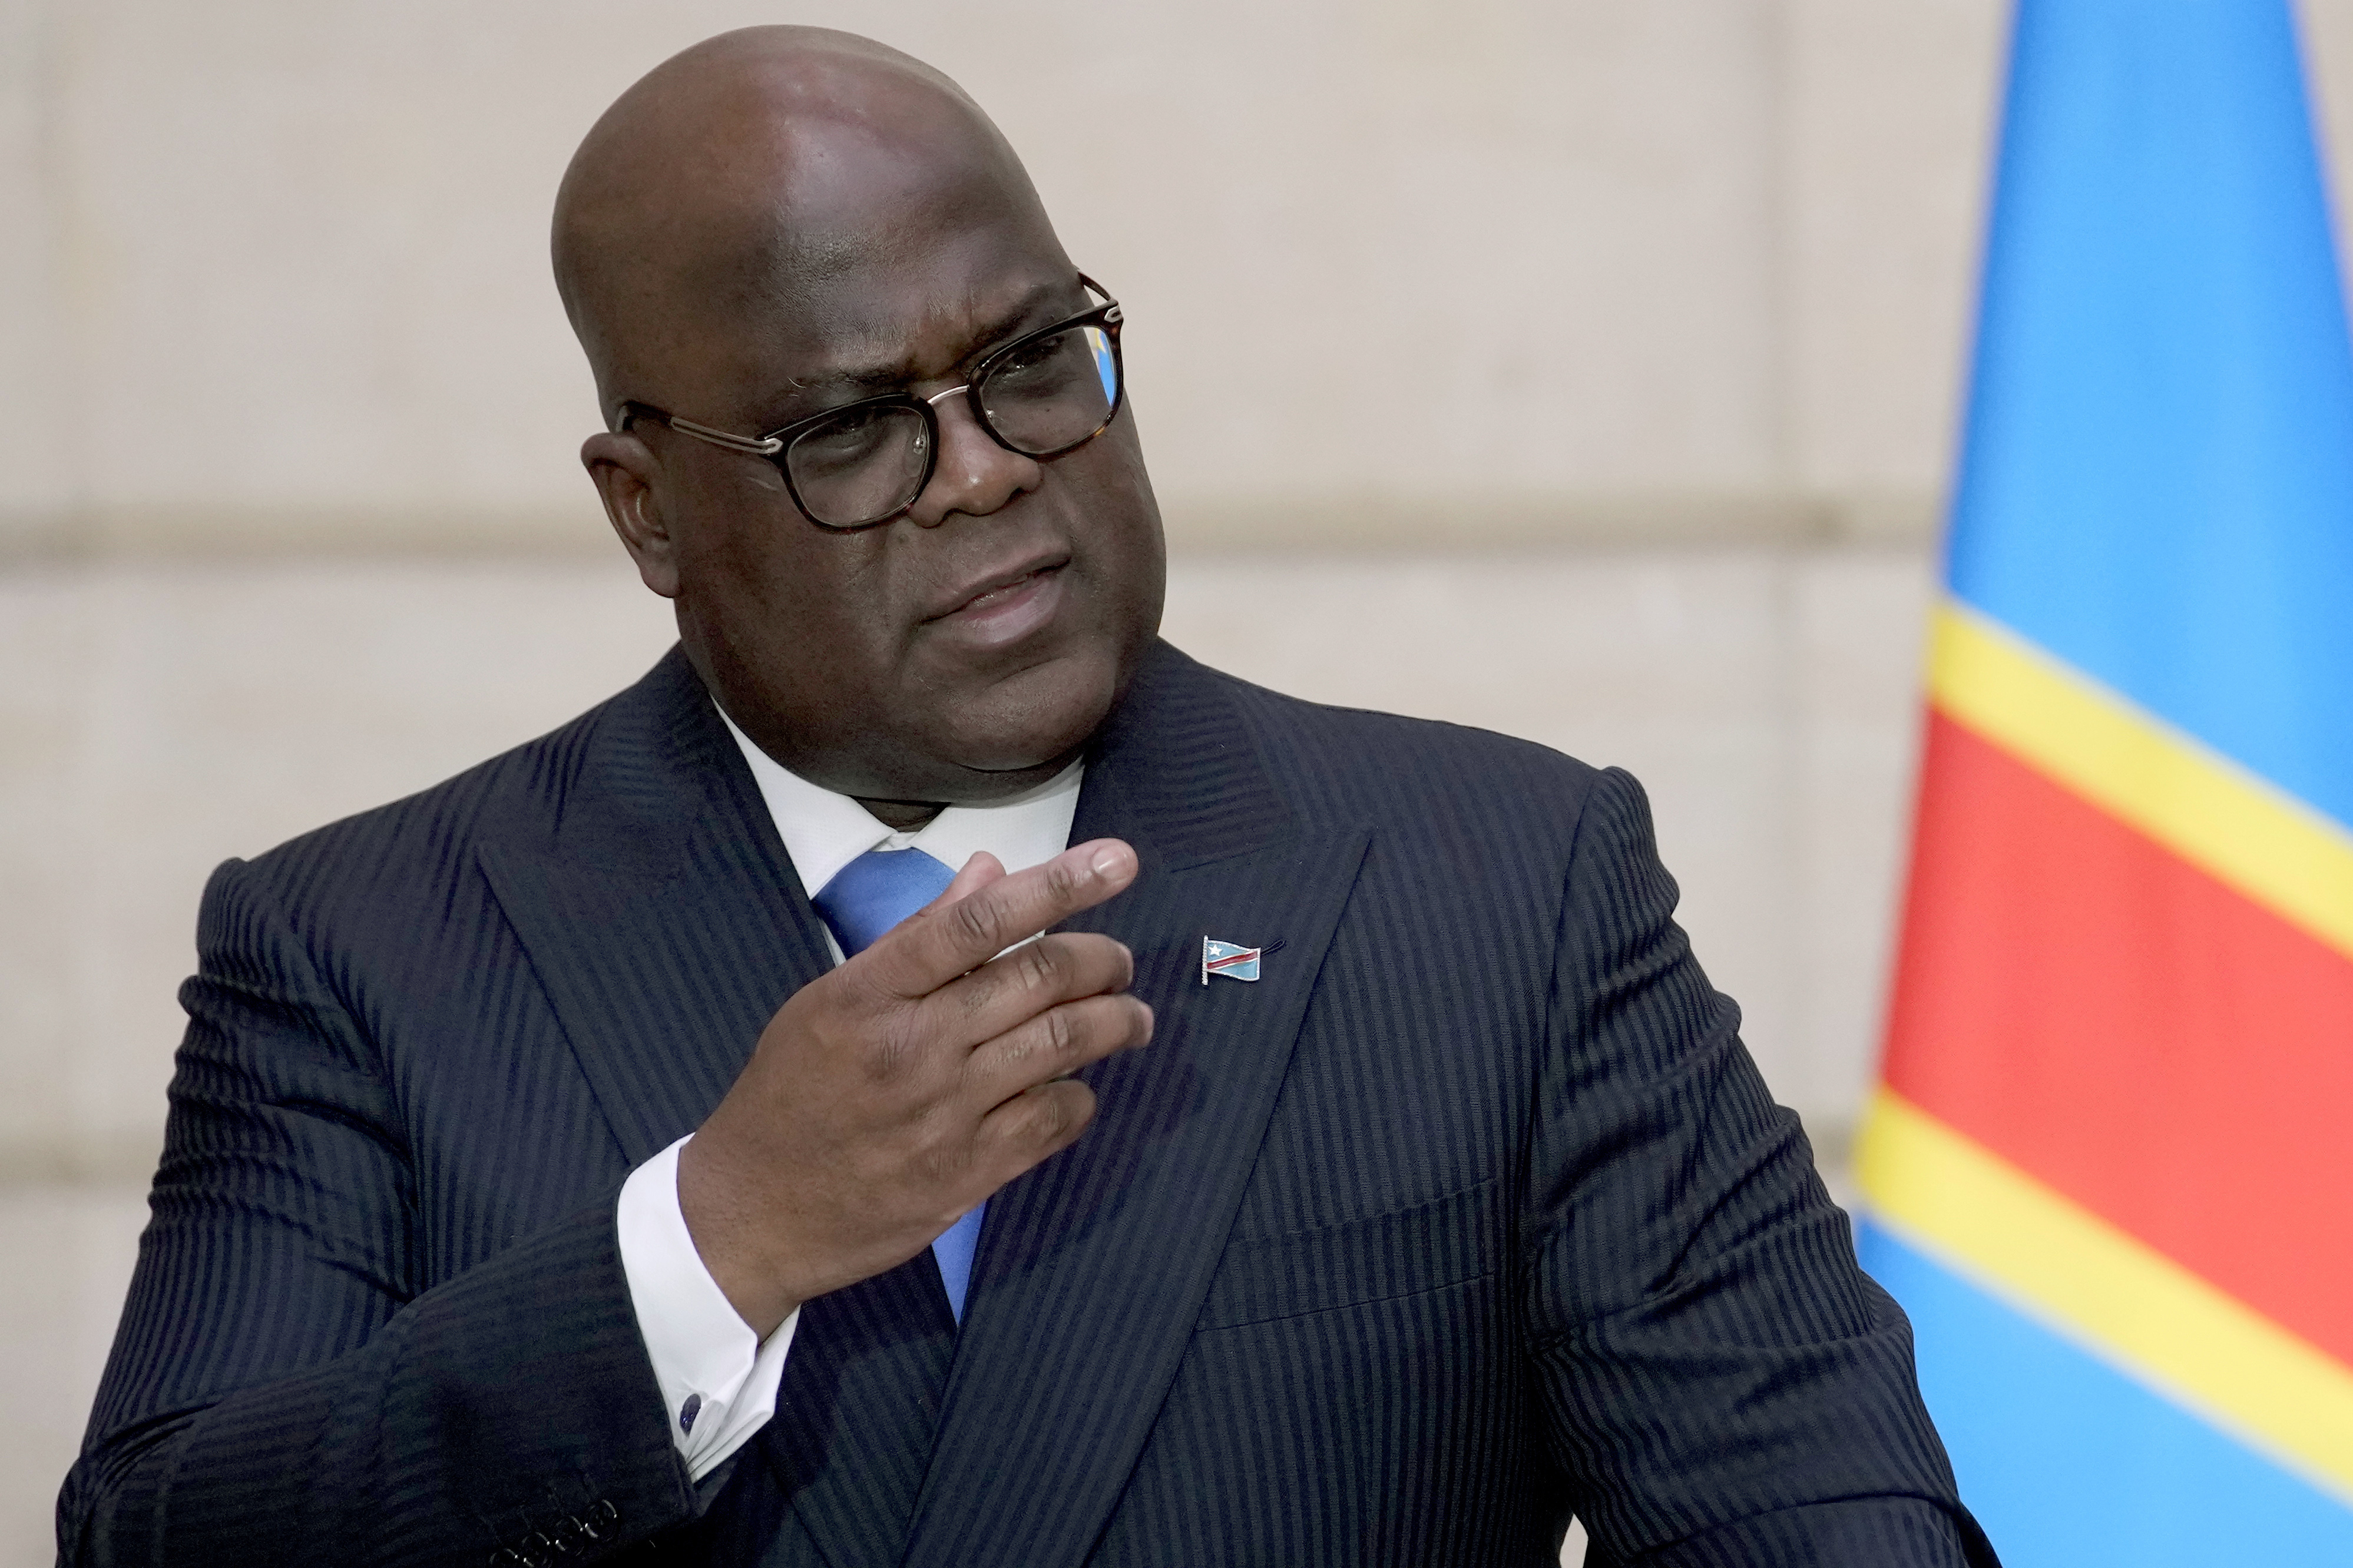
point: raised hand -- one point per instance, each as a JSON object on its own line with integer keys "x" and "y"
{"x": 896, "y": 1092}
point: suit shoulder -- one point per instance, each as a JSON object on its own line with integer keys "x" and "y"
{"x": 1349, "y": 738}
{"x": 1389, "y": 764}
{"x": 518, "y": 793}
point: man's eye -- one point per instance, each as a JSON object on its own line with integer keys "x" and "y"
{"x": 1038, "y": 367}
{"x": 1028, "y": 357}
{"x": 856, "y": 426}
{"x": 853, "y": 435}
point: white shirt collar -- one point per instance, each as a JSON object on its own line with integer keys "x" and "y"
{"x": 823, "y": 831}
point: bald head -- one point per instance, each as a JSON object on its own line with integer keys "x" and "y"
{"x": 739, "y": 175}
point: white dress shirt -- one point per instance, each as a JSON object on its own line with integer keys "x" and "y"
{"x": 718, "y": 1379}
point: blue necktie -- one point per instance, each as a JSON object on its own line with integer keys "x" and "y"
{"x": 865, "y": 899}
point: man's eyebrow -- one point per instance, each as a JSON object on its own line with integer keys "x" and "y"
{"x": 890, "y": 375}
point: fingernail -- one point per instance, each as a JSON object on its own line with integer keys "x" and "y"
{"x": 1106, "y": 859}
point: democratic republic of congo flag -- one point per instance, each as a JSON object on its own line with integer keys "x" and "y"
{"x": 2110, "y": 1170}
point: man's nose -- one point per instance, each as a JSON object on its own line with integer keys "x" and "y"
{"x": 974, "y": 475}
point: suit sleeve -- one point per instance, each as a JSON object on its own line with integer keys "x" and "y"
{"x": 1721, "y": 1383}
{"x": 280, "y": 1391}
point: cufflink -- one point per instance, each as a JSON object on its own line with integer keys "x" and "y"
{"x": 688, "y": 1411}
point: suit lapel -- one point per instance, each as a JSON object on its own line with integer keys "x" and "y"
{"x": 666, "y": 926}
{"x": 661, "y": 915}
{"x": 1093, "y": 1266}
{"x": 857, "y": 1409}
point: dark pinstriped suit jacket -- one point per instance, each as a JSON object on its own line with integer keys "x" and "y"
{"x": 1471, "y": 1214}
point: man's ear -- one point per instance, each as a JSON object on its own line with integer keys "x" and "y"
{"x": 624, "y": 469}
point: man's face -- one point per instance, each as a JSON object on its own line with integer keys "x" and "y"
{"x": 967, "y": 649}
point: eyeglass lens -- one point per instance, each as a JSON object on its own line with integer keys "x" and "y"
{"x": 1044, "y": 399}
{"x": 1053, "y": 392}
{"x": 862, "y": 466}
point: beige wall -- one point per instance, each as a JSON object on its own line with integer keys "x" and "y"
{"x": 1483, "y": 265}
{"x": 274, "y": 272}
{"x": 1585, "y": 369}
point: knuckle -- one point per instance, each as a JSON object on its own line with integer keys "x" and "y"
{"x": 971, "y": 922}
{"x": 891, "y": 1044}
{"x": 1049, "y": 1116}
{"x": 862, "y": 988}
{"x": 1038, "y": 1122}
{"x": 1063, "y": 1036}
{"x": 940, "y": 1164}
{"x": 1044, "y": 965}
{"x": 973, "y": 997}
{"x": 1073, "y": 1106}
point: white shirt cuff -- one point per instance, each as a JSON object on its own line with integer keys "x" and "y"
{"x": 718, "y": 1379}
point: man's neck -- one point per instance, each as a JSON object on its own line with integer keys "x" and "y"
{"x": 901, "y": 816}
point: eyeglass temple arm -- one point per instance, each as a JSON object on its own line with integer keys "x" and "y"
{"x": 756, "y": 446}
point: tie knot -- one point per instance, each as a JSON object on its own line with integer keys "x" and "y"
{"x": 875, "y": 892}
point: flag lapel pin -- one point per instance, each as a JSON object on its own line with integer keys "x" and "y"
{"x": 1230, "y": 959}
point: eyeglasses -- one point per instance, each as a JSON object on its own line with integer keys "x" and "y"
{"x": 860, "y": 465}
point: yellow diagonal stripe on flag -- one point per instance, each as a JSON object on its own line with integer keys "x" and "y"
{"x": 2207, "y": 810}
{"x": 2132, "y": 1305}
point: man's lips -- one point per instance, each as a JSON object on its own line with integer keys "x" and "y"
{"x": 982, "y": 595}
{"x": 996, "y": 612}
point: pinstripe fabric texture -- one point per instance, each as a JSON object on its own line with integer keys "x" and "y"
{"x": 1471, "y": 1214}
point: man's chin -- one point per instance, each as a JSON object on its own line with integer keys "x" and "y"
{"x": 999, "y": 771}
{"x": 1023, "y": 732}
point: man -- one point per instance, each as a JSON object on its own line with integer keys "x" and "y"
{"x": 541, "y": 1181}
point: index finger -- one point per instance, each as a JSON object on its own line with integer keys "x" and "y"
{"x": 949, "y": 939}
